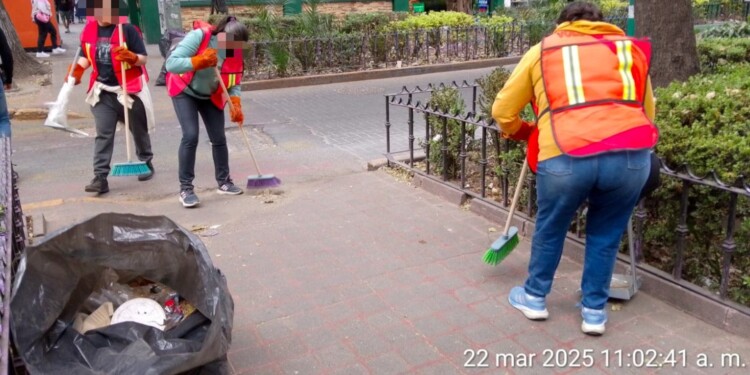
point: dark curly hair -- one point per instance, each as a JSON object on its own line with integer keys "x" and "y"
{"x": 579, "y": 10}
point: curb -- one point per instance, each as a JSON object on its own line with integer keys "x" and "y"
{"x": 280, "y": 83}
{"x": 679, "y": 294}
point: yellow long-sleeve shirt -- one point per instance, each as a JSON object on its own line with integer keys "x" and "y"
{"x": 526, "y": 83}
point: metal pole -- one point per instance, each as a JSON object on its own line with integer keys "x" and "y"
{"x": 631, "y": 18}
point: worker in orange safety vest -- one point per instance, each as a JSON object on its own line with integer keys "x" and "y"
{"x": 590, "y": 88}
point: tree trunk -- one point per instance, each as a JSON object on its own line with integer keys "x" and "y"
{"x": 23, "y": 64}
{"x": 219, "y": 6}
{"x": 459, "y": 5}
{"x": 670, "y": 28}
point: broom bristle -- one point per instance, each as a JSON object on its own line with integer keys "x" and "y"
{"x": 129, "y": 169}
{"x": 501, "y": 248}
{"x": 262, "y": 182}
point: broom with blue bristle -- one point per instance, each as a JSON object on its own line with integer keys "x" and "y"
{"x": 509, "y": 240}
{"x": 129, "y": 168}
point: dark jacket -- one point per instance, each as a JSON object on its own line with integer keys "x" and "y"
{"x": 6, "y": 59}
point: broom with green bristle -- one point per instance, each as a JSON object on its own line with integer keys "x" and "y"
{"x": 130, "y": 168}
{"x": 509, "y": 240}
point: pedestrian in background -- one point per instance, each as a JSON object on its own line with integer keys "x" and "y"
{"x": 6, "y": 71}
{"x": 65, "y": 11}
{"x": 590, "y": 89}
{"x": 81, "y": 11}
{"x": 41, "y": 14}
{"x": 195, "y": 90}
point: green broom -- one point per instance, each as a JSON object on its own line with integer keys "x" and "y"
{"x": 130, "y": 168}
{"x": 509, "y": 240}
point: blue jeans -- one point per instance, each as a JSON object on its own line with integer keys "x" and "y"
{"x": 4, "y": 116}
{"x": 611, "y": 183}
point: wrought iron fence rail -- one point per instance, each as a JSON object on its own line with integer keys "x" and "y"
{"x": 458, "y": 179}
{"x": 363, "y": 51}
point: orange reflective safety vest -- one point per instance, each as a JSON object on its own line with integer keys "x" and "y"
{"x": 595, "y": 85}
{"x": 231, "y": 70}
{"x": 89, "y": 38}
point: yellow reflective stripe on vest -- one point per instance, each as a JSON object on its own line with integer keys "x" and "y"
{"x": 572, "y": 67}
{"x": 87, "y": 50}
{"x": 625, "y": 55}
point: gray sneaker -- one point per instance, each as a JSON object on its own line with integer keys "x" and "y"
{"x": 229, "y": 188}
{"x": 188, "y": 198}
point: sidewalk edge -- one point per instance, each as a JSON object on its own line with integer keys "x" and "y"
{"x": 323, "y": 79}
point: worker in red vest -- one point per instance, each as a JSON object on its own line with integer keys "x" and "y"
{"x": 101, "y": 50}
{"x": 194, "y": 87}
{"x": 590, "y": 88}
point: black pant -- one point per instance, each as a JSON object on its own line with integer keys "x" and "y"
{"x": 107, "y": 112}
{"x": 44, "y": 29}
{"x": 188, "y": 108}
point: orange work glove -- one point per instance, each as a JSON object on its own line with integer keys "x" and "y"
{"x": 123, "y": 54}
{"x": 523, "y": 132}
{"x": 77, "y": 72}
{"x": 205, "y": 60}
{"x": 235, "y": 111}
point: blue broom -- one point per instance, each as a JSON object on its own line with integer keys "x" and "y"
{"x": 503, "y": 246}
{"x": 129, "y": 168}
{"x": 259, "y": 181}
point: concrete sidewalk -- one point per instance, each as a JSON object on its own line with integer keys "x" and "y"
{"x": 358, "y": 272}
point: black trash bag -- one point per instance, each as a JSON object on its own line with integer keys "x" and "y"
{"x": 167, "y": 44}
{"x": 56, "y": 276}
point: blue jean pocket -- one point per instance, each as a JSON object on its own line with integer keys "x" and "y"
{"x": 558, "y": 166}
{"x": 638, "y": 159}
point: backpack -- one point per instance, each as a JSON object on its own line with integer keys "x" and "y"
{"x": 167, "y": 45}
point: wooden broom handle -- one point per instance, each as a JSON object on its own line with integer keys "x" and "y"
{"x": 242, "y": 129}
{"x": 516, "y": 195}
{"x": 125, "y": 97}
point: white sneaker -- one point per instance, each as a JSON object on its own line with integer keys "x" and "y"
{"x": 40, "y": 55}
{"x": 58, "y": 51}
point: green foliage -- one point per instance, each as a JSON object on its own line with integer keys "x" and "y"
{"x": 612, "y": 7}
{"x": 489, "y": 86}
{"x": 446, "y": 100}
{"x": 715, "y": 52}
{"x": 365, "y": 22}
{"x": 704, "y": 123}
{"x": 730, "y": 29}
{"x": 433, "y": 20}
{"x": 495, "y": 21}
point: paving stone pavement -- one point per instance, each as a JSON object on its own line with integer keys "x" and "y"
{"x": 351, "y": 272}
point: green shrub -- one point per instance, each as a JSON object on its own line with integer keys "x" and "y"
{"x": 704, "y": 123}
{"x": 612, "y": 7}
{"x": 495, "y": 21}
{"x": 364, "y": 22}
{"x": 433, "y": 20}
{"x": 727, "y": 30}
{"x": 715, "y": 52}
{"x": 446, "y": 100}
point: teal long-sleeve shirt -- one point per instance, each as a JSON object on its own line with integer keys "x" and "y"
{"x": 204, "y": 83}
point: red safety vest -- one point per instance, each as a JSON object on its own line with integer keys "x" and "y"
{"x": 89, "y": 38}
{"x": 231, "y": 70}
{"x": 595, "y": 85}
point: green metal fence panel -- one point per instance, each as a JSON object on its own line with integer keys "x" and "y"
{"x": 400, "y": 5}
{"x": 292, "y": 7}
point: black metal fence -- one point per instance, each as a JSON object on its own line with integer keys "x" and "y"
{"x": 364, "y": 51}
{"x": 737, "y": 10}
{"x": 487, "y": 167}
